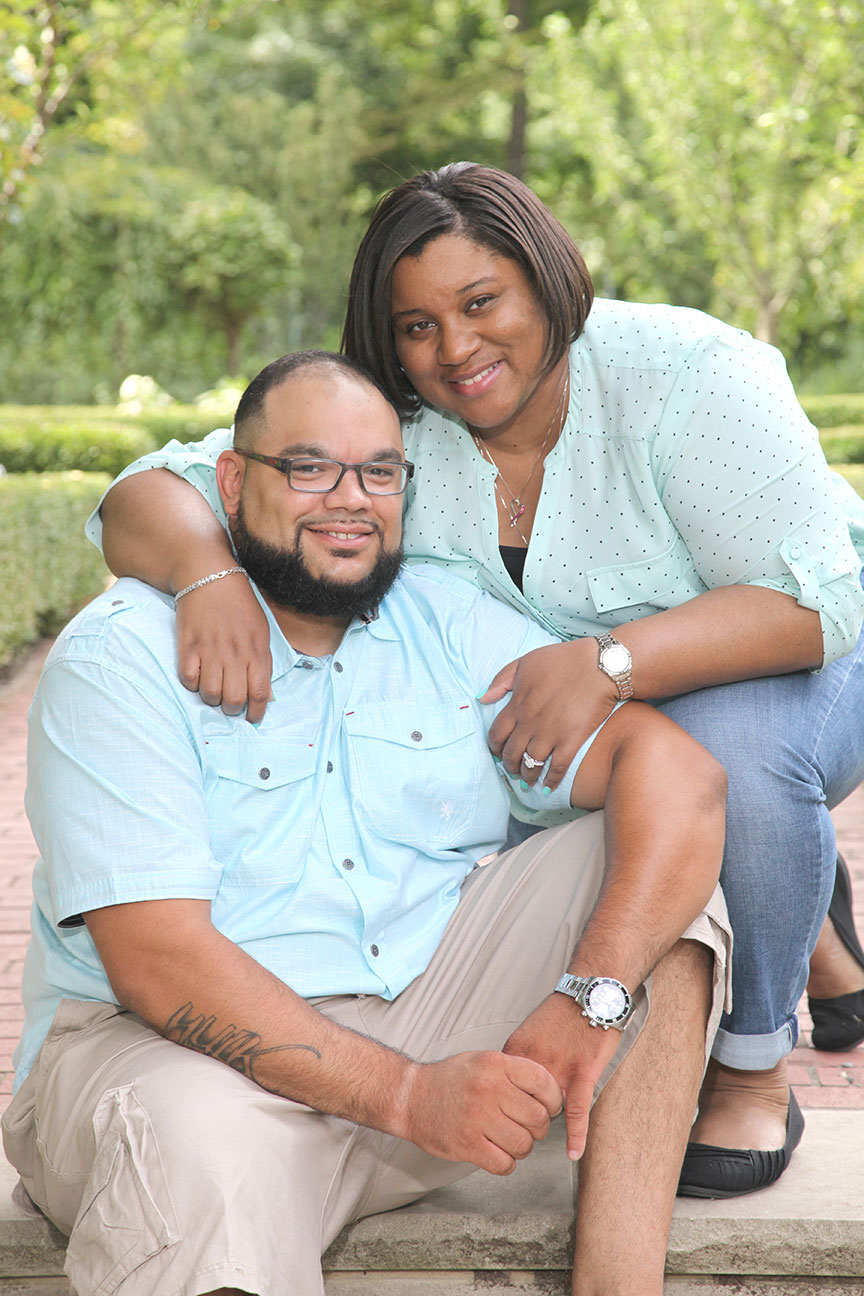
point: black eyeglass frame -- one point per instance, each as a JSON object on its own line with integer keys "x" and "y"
{"x": 284, "y": 467}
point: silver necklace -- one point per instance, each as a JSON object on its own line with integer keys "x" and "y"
{"x": 516, "y": 508}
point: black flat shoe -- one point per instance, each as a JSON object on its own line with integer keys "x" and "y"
{"x": 710, "y": 1171}
{"x": 838, "y": 1023}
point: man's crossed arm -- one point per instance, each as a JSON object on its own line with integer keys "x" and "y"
{"x": 665, "y": 811}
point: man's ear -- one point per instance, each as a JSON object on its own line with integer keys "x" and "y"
{"x": 230, "y": 468}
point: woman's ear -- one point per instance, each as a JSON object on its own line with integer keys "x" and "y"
{"x": 230, "y": 468}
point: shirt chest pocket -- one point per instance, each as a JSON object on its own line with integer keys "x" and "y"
{"x": 260, "y": 794}
{"x": 416, "y": 770}
{"x": 661, "y": 581}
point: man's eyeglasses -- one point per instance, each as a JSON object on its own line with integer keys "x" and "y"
{"x": 320, "y": 476}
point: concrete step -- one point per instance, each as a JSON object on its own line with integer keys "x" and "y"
{"x": 802, "y": 1237}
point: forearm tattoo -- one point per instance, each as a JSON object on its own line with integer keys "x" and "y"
{"x": 239, "y": 1049}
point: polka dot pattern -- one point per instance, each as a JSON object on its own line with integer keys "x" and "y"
{"x": 686, "y": 463}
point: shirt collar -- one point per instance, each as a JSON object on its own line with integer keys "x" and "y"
{"x": 380, "y": 623}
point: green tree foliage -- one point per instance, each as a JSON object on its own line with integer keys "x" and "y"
{"x": 734, "y": 129}
{"x": 229, "y": 251}
{"x": 126, "y": 267}
{"x": 64, "y": 63}
{"x": 208, "y": 166}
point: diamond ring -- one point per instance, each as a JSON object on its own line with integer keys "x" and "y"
{"x": 529, "y": 761}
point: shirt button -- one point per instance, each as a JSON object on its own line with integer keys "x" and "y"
{"x": 117, "y": 603}
{"x": 373, "y": 950}
{"x": 329, "y": 767}
{"x": 416, "y": 736}
{"x": 305, "y": 665}
{"x": 264, "y": 773}
{"x": 347, "y": 864}
{"x": 337, "y": 666}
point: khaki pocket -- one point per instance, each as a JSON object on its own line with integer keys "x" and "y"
{"x": 19, "y": 1134}
{"x": 126, "y": 1215}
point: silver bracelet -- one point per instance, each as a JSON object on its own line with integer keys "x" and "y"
{"x": 205, "y": 580}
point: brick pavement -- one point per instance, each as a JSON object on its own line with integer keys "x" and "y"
{"x": 826, "y": 1080}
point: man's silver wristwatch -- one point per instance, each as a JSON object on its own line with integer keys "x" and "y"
{"x": 603, "y": 1000}
{"x": 616, "y": 662}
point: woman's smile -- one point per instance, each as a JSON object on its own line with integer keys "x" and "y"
{"x": 471, "y": 337}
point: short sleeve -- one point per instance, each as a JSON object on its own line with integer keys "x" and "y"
{"x": 120, "y": 838}
{"x": 194, "y": 461}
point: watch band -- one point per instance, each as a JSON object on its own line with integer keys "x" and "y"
{"x": 619, "y": 675}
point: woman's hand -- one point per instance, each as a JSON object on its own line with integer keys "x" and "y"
{"x": 223, "y": 647}
{"x": 559, "y": 697}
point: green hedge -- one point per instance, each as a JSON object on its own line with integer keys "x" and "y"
{"x": 843, "y": 445}
{"x": 96, "y": 438}
{"x": 62, "y": 446}
{"x": 834, "y": 411}
{"x": 48, "y": 569}
{"x": 854, "y": 474}
{"x": 183, "y": 422}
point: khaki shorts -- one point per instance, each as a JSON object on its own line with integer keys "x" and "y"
{"x": 175, "y": 1174}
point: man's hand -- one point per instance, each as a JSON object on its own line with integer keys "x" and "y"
{"x": 558, "y": 1037}
{"x": 479, "y": 1107}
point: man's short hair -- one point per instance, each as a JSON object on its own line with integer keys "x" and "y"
{"x": 249, "y": 418}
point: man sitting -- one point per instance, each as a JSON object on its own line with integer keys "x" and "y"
{"x": 365, "y": 1013}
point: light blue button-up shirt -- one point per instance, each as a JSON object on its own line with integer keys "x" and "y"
{"x": 331, "y": 840}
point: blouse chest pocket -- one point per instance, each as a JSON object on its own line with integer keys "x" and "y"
{"x": 259, "y": 793}
{"x": 664, "y": 580}
{"x": 416, "y": 769}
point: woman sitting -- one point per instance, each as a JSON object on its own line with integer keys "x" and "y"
{"x": 642, "y": 481}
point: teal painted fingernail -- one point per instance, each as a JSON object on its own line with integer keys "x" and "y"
{"x": 523, "y": 785}
{"x": 547, "y": 791}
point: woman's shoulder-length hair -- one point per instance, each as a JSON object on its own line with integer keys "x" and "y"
{"x": 493, "y": 209}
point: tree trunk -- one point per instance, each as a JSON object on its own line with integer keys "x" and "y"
{"x": 232, "y": 347}
{"x": 516, "y": 145}
{"x": 519, "y": 113}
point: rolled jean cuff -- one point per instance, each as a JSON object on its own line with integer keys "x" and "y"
{"x": 755, "y": 1052}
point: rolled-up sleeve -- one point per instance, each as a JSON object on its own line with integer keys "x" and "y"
{"x": 744, "y": 480}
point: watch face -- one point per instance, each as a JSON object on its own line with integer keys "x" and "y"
{"x": 615, "y": 658}
{"x": 607, "y": 999}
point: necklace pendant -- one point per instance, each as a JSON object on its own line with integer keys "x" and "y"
{"x": 516, "y": 513}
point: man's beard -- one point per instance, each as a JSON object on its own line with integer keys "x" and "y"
{"x": 283, "y": 577}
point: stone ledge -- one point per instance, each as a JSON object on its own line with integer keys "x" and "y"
{"x": 486, "y": 1283}
{"x": 514, "y": 1234}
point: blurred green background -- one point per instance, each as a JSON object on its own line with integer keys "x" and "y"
{"x": 183, "y": 184}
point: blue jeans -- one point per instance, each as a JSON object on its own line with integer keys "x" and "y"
{"x": 793, "y": 747}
